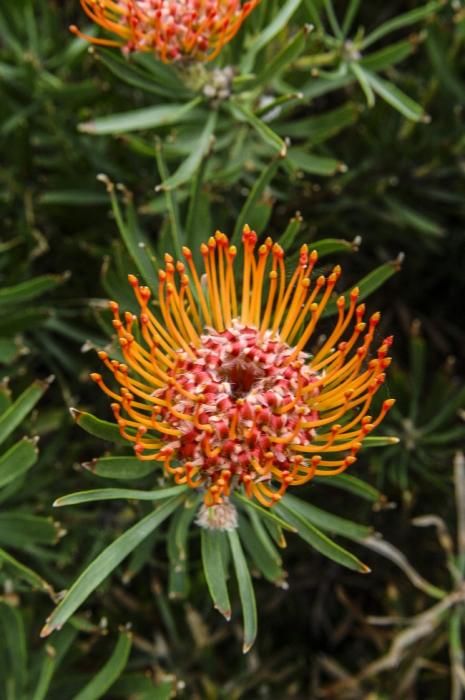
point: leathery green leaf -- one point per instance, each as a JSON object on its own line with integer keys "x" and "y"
{"x": 106, "y": 562}
{"x": 15, "y": 640}
{"x": 95, "y": 426}
{"x": 314, "y": 164}
{"x": 213, "y": 566}
{"x": 138, "y": 119}
{"x": 22, "y": 530}
{"x": 178, "y": 537}
{"x": 255, "y": 193}
{"x": 354, "y": 485}
{"x": 400, "y": 21}
{"x": 320, "y": 541}
{"x": 120, "y": 467}
{"x": 327, "y": 521}
{"x": 272, "y": 28}
{"x": 395, "y": 97}
{"x": 269, "y": 136}
{"x": 24, "y": 572}
{"x": 26, "y": 291}
{"x": 15, "y": 414}
{"x": 246, "y": 591}
{"x": 17, "y": 460}
{"x": 187, "y": 169}
{"x": 368, "y": 284}
{"x": 80, "y": 497}
{"x": 265, "y": 562}
{"x": 109, "y": 672}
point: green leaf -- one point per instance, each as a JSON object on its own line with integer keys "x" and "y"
{"x": 177, "y": 548}
{"x": 282, "y": 60}
{"x": 317, "y": 129}
{"x": 79, "y": 497}
{"x": 368, "y": 284}
{"x": 100, "y": 428}
{"x": 17, "y": 412}
{"x": 291, "y": 231}
{"x": 24, "y": 573}
{"x": 387, "y": 56}
{"x": 254, "y": 195}
{"x": 380, "y": 441}
{"x": 319, "y": 541}
{"x": 213, "y": 566}
{"x": 23, "y": 530}
{"x": 106, "y": 562}
{"x": 246, "y": 591}
{"x": 313, "y": 164}
{"x": 270, "y": 137}
{"x": 352, "y": 484}
{"x": 265, "y": 562}
{"x": 133, "y": 237}
{"x": 395, "y": 97}
{"x": 15, "y": 642}
{"x": 145, "y": 118}
{"x": 33, "y": 288}
{"x": 120, "y": 467}
{"x": 399, "y": 22}
{"x": 327, "y": 521}
{"x": 407, "y": 217}
{"x": 17, "y": 460}
{"x": 134, "y": 76}
{"x": 279, "y": 21}
{"x": 328, "y": 246}
{"x": 188, "y": 167}
{"x": 109, "y": 672}
{"x": 359, "y": 73}
{"x": 172, "y": 204}
{"x": 76, "y": 198}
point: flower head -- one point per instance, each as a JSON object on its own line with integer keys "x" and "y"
{"x": 218, "y": 387}
{"x": 171, "y": 29}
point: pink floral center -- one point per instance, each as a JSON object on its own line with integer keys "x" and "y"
{"x": 252, "y": 408}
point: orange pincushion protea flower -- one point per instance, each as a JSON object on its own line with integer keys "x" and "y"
{"x": 172, "y": 29}
{"x": 222, "y": 393}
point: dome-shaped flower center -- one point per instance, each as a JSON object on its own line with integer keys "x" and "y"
{"x": 251, "y": 405}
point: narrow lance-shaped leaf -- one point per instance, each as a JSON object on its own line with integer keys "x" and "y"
{"x": 246, "y": 591}
{"x": 242, "y": 113}
{"x": 187, "y": 169}
{"x": 15, "y": 641}
{"x": 255, "y": 193}
{"x": 395, "y": 97}
{"x": 273, "y": 28}
{"x": 109, "y": 672}
{"x": 15, "y": 414}
{"x": 319, "y": 541}
{"x": 33, "y": 288}
{"x": 80, "y": 497}
{"x": 213, "y": 566}
{"x": 24, "y": 573}
{"x": 106, "y": 562}
{"x": 17, "y": 460}
{"x": 120, "y": 467}
{"x": 145, "y": 118}
{"x": 400, "y": 21}
{"x": 368, "y": 284}
{"x": 95, "y": 426}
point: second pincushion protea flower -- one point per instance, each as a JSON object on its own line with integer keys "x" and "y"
{"x": 217, "y": 386}
{"x": 171, "y": 29}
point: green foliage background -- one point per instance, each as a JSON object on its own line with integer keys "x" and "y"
{"x": 376, "y": 150}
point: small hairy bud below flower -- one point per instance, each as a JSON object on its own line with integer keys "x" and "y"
{"x": 222, "y": 516}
